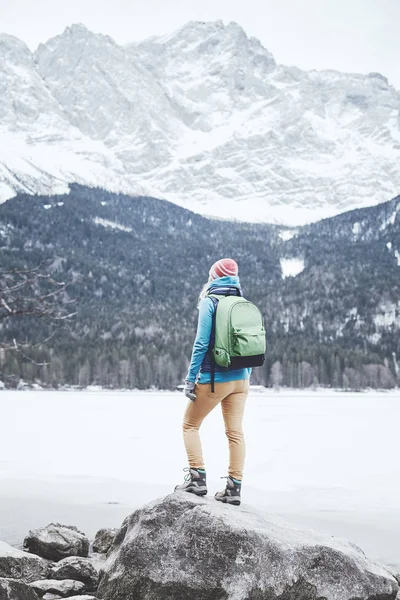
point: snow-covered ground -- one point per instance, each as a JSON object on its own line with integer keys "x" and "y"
{"x": 323, "y": 459}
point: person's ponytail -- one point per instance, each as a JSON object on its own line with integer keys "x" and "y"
{"x": 204, "y": 290}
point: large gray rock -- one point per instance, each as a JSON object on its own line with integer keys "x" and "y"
{"x": 63, "y": 589}
{"x": 15, "y": 564}
{"x": 103, "y": 540}
{"x": 10, "y": 589}
{"x": 183, "y": 547}
{"x": 56, "y": 542}
{"x": 77, "y": 568}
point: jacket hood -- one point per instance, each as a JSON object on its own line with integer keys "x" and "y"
{"x": 224, "y": 281}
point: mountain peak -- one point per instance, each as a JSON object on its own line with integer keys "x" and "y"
{"x": 203, "y": 30}
{"x": 77, "y": 32}
{"x": 10, "y": 43}
{"x": 74, "y": 36}
{"x": 77, "y": 29}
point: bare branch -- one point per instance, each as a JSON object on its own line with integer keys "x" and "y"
{"x": 26, "y": 357}
{"x": 27, "y": 293}
{"x": 4, "y": 303}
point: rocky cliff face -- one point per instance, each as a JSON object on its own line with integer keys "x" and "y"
{"x": 204, "y": 117}
{"x": 185, "y": 547}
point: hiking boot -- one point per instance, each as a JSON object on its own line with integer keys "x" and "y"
{"x": 195, "y": 482}
{"x": 231, "y": 494}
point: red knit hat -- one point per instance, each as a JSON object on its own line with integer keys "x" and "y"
{"x": 226, "y": 267}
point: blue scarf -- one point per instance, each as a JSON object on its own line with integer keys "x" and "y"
{"x": 225, "y": 286}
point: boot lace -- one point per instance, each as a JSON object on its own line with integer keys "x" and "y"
{"x": 188, "y": 474}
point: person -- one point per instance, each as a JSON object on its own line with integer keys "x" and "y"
{"x": 230, "y": 391}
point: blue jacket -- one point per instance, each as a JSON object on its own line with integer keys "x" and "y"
{"x": 202, "y": 341}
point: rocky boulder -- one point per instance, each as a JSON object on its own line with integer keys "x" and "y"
{"x": 63, "y": 589}
{"x": 187, "y": 547}
{"x": 56, "y": 542}
{"x": 16, "y": 564}
{"x": 79, "y": 569}
{"x": 103, "y": 540}
{"x": 16, "y": 590}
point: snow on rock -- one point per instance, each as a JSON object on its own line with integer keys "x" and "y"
{"x": 63, "y": 589}
{"x": 291, "y": 267}
{"x": 187, "y": 547}
{"x": 56, "y": 542}
{"x": 74, "y": 598}
{"x": 21, "y": 565}
{"x": 16, "y": 590}
{"x": 204, "y": 117}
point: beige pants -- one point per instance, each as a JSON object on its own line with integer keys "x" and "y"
{"x": 232, "y": 397}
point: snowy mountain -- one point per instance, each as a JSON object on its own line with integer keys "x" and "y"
{"x": 204, "y": 118}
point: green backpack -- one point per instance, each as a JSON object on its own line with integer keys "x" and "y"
{"x": 238, "y": 334}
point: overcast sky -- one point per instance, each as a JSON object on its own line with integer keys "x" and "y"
{"x": 349, "y": 35}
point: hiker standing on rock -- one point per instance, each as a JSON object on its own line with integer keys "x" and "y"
{"x": 230, "y": 340}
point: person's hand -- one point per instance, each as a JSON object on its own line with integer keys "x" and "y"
{"x": 188, "y": 390}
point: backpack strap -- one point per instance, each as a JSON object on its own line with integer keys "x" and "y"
{"x": 222, "y": 291}
{"x": 212, "y": 342}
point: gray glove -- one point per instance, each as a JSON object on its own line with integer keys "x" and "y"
{"x": 188, "y": 390}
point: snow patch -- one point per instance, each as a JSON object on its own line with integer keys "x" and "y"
{"x": 389, "y": 315}
{"x": 375, "y": 338}
{"x": 390, "y": 220}
{"x": 112, "y": 224}
{"x": 396, "y": 253}
{"x": 291, "y": 267}
{"x": 287, "y": 234}
{"x": 47, "y": 206}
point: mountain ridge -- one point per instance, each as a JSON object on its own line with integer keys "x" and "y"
{"x": 135, "y": 267}
{"x": 204, "y": 117}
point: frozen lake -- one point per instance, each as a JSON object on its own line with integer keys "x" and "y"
{"x": 322, "y": 459}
